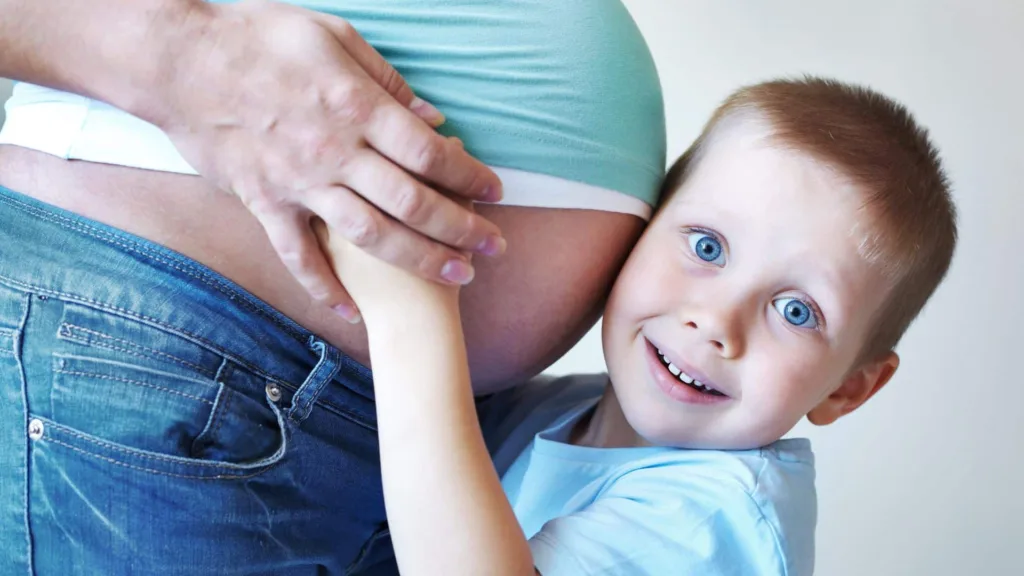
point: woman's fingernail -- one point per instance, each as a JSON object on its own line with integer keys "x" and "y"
{"x": 491, "y": 194}
{"x": 349, "y": 313}
{"x": 427, "y": 111}
{"x": 492, "y": 246}
{"x": 457, "y": 272}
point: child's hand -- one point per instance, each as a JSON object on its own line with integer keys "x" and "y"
{"x": 379, "y": 289}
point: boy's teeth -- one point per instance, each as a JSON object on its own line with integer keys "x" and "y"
{"x": 683, "y": 376}
{"x": 700, "y": 384}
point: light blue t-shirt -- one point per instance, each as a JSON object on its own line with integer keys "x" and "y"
{"x": 647, "y": 511}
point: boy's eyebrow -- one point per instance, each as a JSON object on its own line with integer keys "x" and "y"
{"x": 833, "y": 278}
{"x": 707, "y": 210}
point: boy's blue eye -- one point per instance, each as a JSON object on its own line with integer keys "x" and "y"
{"x": 707, "y": 248}
{"x": 796, "y": 312}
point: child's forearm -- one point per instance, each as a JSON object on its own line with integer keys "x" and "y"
{"x": 446, "y": 508}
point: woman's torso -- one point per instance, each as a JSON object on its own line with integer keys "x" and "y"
{"x": 524, "y": 309}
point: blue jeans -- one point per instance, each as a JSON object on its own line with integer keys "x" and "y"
{"x": 155, "y": 418}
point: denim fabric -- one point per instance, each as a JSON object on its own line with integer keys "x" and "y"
{"x": 157, "y": 419}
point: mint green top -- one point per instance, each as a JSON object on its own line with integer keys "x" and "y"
{"x": 566, "y": 88}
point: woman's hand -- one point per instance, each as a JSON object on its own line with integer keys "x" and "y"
{"x": 288, "y": 108}
{"x": 296, "y": 114}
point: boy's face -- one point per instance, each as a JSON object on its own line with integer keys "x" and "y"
{"x": 751, "y": 280}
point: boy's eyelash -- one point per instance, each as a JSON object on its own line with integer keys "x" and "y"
{"x": 690, "y": 230}
{"x": 696, "y": 229}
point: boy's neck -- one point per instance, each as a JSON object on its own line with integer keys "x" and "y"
{"x": 606, "y": 426}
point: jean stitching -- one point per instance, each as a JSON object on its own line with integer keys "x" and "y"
{"x": 19, "y": 358}
{"x": 135, "y": 315}
{"x": 70, "y": 335}
{"x": 160, "y": 472}
{"x": 129, "y": 381}
{"x": 225, "y": 393}
{"x": 327, "y": 366}
{"x": 220, "y": 413}
{"x": 337, "y": 409}
{"x": 12, "y": 334}
{"x": 104, "y": 236}
{"x": 139, "y": 454}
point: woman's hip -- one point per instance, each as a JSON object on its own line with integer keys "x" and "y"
{"x": 158, "y": 418}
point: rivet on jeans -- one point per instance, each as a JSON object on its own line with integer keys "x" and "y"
{"x": 35, "y": 429}
{"x": 273, "y": 392}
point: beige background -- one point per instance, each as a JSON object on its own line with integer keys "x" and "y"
{"x": 926, "y": 479}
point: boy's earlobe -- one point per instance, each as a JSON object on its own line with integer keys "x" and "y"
{"x": 859, "y": 386}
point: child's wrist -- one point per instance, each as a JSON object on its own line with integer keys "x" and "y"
{"x": 435, "y": 306}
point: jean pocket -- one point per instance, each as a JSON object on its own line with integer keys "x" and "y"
{"x": 143, "y": 397}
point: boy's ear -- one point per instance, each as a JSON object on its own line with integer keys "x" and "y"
{"x": 859, "y": 386}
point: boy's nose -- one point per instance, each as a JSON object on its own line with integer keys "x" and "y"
{"x": 720, "y": 327}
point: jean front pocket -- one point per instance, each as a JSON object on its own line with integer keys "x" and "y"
{"x": 142, "y": 396}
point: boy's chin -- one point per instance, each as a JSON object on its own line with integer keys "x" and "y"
{"x": 700, "y": 439}
{"x": 655, "y": 420}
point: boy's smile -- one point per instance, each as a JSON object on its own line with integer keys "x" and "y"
{"x": 680, "y": 381}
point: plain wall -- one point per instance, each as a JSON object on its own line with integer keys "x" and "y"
{"x": 926, "y": 478}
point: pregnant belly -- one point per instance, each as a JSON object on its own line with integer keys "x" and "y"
{"x": 521, "y": 313}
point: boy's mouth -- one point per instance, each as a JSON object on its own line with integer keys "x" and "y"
{"x": 678, "y": 384}
{"x": 686, "y": 378}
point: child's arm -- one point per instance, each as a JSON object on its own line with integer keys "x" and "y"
{"x": 446, "y": 508}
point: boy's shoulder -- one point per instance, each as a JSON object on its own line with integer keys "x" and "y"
{"x": 768, "y": 491}
{"x": 708, "y": 511}
{"x": 757, "y": 472}
{"x": 701, "y": 511}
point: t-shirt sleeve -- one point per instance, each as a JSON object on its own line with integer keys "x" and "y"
{"x": 644, "y": 525}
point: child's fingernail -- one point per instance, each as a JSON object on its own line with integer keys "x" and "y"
{"x": 457, "y": 272}
{"x": 427, "y": 111}
{"x": 349, "y": 313}
{"x": 492, "y": 246}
